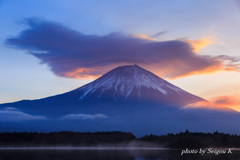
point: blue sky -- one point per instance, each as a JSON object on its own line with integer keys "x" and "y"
{"x": 215, "y": 22}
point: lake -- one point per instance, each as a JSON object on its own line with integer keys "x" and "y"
{"x": 107, "y": 154}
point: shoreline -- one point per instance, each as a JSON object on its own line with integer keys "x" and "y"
{"x": 85, "y": 148}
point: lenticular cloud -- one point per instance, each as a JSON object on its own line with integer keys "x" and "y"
{"x": 73, "y": 54}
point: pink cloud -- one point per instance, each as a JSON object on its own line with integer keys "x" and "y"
{"x": 227, "y": 103}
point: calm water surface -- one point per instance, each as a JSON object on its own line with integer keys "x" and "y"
{"x": 132, "y": 154}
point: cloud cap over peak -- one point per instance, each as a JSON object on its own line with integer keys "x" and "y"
{"x": 72, "y": 54}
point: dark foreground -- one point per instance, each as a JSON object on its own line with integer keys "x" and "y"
{"x": 180, "y": 140}
{"x": 136, "y": 154}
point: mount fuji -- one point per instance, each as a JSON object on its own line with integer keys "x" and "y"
{"x": 127, "y": 98}
{"x": 124, "y": 86}
{"x": 134, "y": 84}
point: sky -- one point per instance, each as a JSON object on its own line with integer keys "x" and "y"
{"x": 51, "y": 47}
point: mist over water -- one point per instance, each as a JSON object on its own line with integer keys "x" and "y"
{"x": 105, "y": 154}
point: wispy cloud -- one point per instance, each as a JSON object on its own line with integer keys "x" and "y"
{"x": 144, "y": 36}
{"x": 84, "y": 116}
{"x": 219, "y": 103}
{"x": 72, "y": 54}
{"x": 231, "y": 63}
{"x": 159, "y": 34}
{"x": 13, "y": 114}
{"x": 198, "y": 44}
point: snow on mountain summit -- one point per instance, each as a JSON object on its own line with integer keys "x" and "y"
{"x": 131, "y": 80}
{"x": 124, "y": 89}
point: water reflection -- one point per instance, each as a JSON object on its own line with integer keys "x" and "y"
{"x": 107, "y": 155}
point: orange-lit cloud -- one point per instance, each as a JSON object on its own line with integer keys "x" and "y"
{"x": 212, "y": 65}
{"x": 198, "y": 44}
{"x": 73, "y": 54}
{"x": 226, "y": 103}
{"x": 80, "y": 73}
{"x": 143, "y": 36}
{"x": 221, "y": 63}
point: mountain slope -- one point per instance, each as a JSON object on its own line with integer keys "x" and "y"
{"x": 133, "y": 83}
{"x": 125, "y": 86}
{"x": 128, "y": 98}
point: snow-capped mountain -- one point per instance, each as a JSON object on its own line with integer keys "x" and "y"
{"x": 123, "y": 86}
{"x": 133, "y": 83}
{"x": 128, "y": 98}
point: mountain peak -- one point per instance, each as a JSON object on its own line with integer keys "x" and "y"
{"x": 133, "y": 82}
{"x": 128, "y": 69}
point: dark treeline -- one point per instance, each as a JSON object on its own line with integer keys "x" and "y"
{"x": 66, "y": 138}
{"x": 195, "y": 140}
